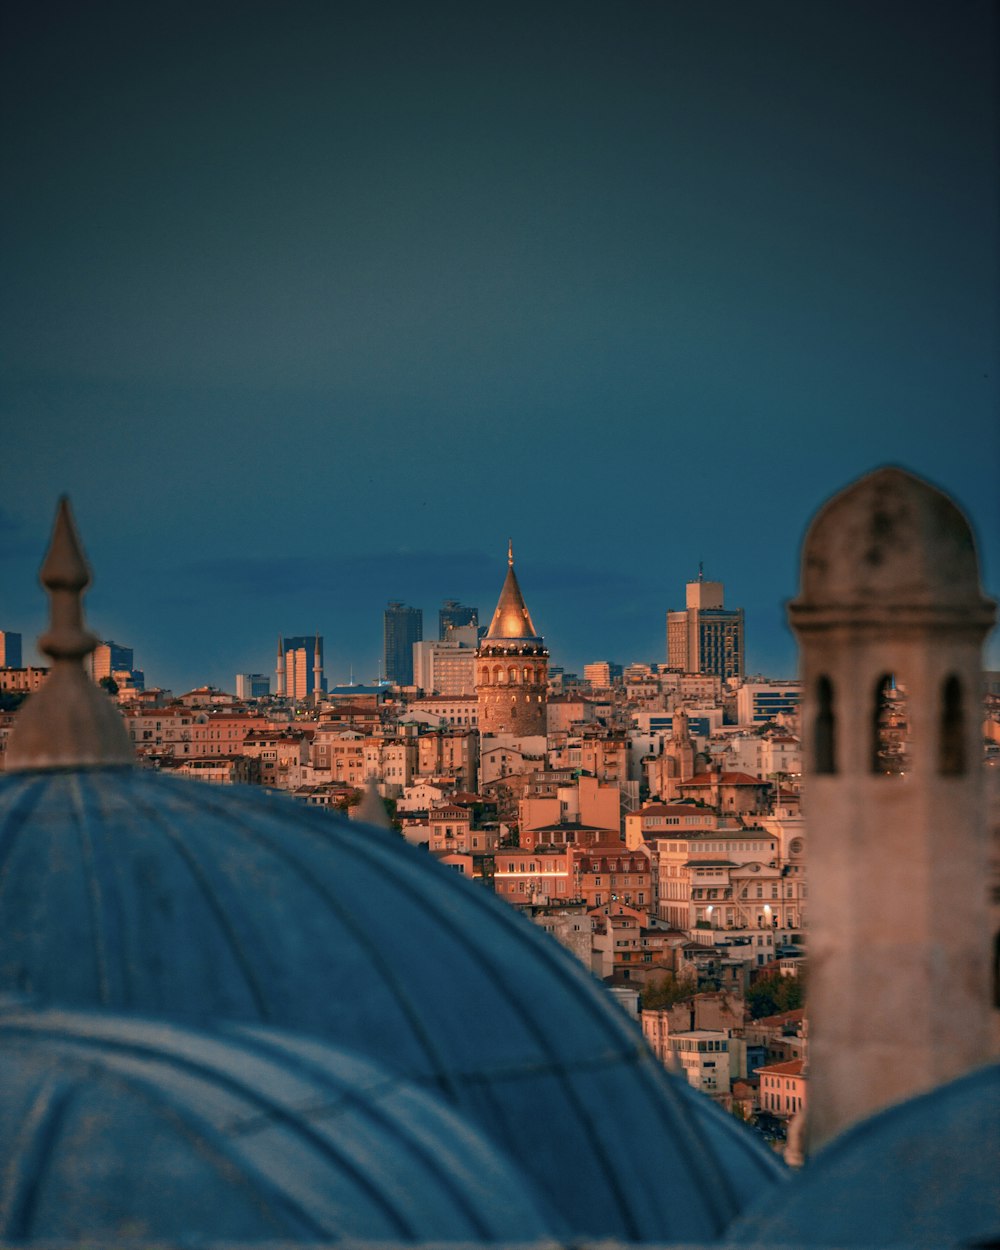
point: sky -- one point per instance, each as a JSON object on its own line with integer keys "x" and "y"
{"x": 312, "y": 306}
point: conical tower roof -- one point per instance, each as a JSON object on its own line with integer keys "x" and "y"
{"x": 511, "y": 618}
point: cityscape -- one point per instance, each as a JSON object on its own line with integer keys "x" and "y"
{"x": 648, "y": 816}
{"x": 500, "y": 740}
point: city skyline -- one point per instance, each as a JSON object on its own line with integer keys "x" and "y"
{"x": 313, "y": 309}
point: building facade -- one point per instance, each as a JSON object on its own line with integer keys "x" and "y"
{"x": 706, "y": 637}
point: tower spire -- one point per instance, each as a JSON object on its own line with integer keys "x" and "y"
{"x": 510, "y": 553}
{"x": 69, "y": 722}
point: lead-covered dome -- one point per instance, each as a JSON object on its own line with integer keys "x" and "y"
{"x": 128, "y": 891}
{"x": 923, "y": 1173}
{"x": 123, "y": 889}
{"x": 116, "y": 1128}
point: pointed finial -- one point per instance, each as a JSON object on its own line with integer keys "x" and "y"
{"x": 371, "y": 809}
{"x": 69, "y": 722}
{"x": 510, "y": 553}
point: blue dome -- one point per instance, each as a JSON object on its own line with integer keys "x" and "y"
{"x": 129, "y": 891}
{"x": 924, "y": 1173}
{"x": 119, "y": 1128}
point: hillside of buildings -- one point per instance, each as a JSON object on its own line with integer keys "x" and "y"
{"x": 648, "y": 817}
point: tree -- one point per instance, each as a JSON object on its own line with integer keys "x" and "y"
{"x": 109, "y": 684}
{"x": 667, "y": 991}
{"x": 774, "y": 994}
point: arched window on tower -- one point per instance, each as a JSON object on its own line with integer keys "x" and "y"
{"x": 952, "y": 737}
{"x": 498, "y": 675}
{"x": 512, "y": 674}
{"x": 824, "y": 749}
{"x": 890, "y": 756}
{"x": 484, "y": 677}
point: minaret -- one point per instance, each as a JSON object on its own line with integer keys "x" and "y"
{"x": 279, "y": 671}
{"x": 512, "y": 666}
{"x": 318, "y": 670}
{"x": 899, "y": 943}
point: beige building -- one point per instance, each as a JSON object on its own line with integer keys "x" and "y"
{"x": 22, "y": 679}
{"x": 603, "y": 757}
{"x": 447, "y": 666}
{"x": 709, "y": 1058}
{"x": 726, "y": 879}
{"x": 706, "y": 637}
{"x": 783, "y": 1088}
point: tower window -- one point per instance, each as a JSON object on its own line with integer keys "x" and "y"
{"x": 890, "y": 728}
{"x": 952, "y": 743}
{"x": 825, "y": 729}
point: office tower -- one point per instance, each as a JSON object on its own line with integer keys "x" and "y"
{"x": 10, "y": 649}
{"x": 402, "y": 627}
{"x": 453, "y": 615}
{"x": 299, "y": 667}
{"x": 512, "y": 667}
{"x": 601, "y": 673}
{"x": 110, "y": 657}
{"x": 706, "y": 637}
{"x": 252, "y": 685}
{"x": 447, "y": 667}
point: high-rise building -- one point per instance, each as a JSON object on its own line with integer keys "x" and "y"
{"x": 10, "y": 649}
{"x": 299, "y": 667}
{"x": 402, "y": 627}
{"x": 706, "y": 637}
{"x": 109, "y": 657}
{"x": 252, "y": 685}
{"x": 512, "y": 667}
{"x": 601, "y": 673}
{"x": 453, "y": 615}
{"x": 447, "y": 667}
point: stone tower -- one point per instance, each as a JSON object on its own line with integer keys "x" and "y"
{"x": 890, "y": 601}
{"x": 512, "y": 667}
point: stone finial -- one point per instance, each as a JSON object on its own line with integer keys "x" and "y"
{"x": 69, "y": 722}
{"x": 510, "y": 553}
{"x": 371, "y": 809}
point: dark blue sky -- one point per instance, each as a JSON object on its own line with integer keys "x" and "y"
{"x": 310, "y": 306}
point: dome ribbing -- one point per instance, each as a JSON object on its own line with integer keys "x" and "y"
{"x": 116, "y": 1128}
{"x": 129, "y": 891}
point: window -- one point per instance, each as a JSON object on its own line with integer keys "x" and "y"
{"x": 952, "y": 743}
{"x": 889, "y": 728}
{"x": 824, "y": 759}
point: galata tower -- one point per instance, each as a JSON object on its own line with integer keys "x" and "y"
{"x": 512, "y": 667}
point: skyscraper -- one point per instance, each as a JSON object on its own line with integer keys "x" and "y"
{"x": 454, "y": 614}
{"x": 706, "y": 637}
{"x": 299, "y": 667}
{"x": 402, "y": 627}
{"x": 252, "y": 685}
{"x": 10, "y": 649}
{"x": 110, "y": 657}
